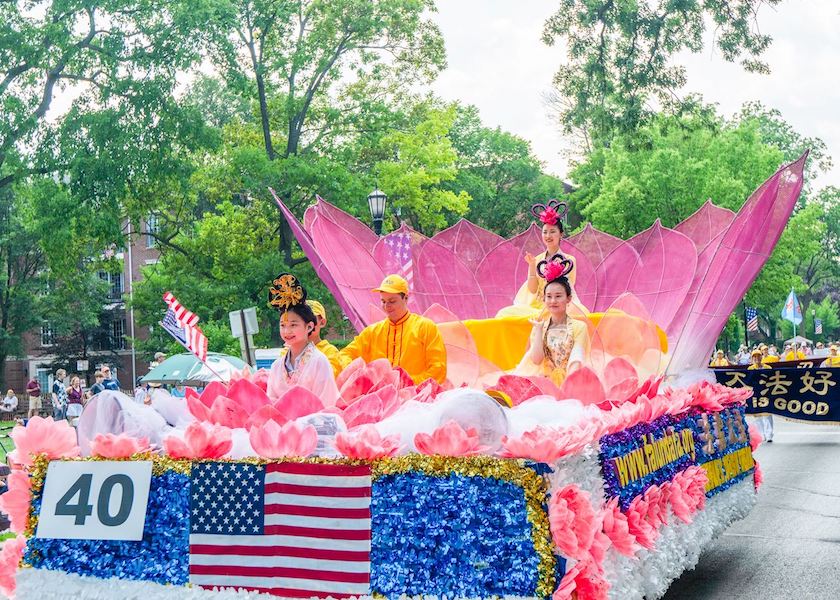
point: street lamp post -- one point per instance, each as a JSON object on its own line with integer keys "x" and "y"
{"x": 376, "y": 203}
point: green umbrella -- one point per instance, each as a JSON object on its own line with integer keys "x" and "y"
{"x": 186, "y": 369}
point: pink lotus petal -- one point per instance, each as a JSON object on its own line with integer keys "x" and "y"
{"x": 248, "y": 395}
{"x": 517, "y": 388}
{"x": 17, "y": 499}
{"x": 201, "y": 440}
{"x": 758, "y": 476}
{"x": 755, "y": 437}
{"x": 357, "y": 364}
{"x": 298, "y": 402}
{"x": 10, "y": 555}
{"x": 619, "y": 370}
{"x": 450, "y": 440}
{"x": 211, "y": 391}
{"x": 228, "y": 412}
{"x": 266, "y": 413}
{"x": 583, "y": 385}
{"x": 190, "y": 392}
{"x": 271, "y": 440}
{"x": 108, "y": 445}
{"x": 367, "y": 444}
{"x": 541, "y": 444}
{"x": 55, "y": 439}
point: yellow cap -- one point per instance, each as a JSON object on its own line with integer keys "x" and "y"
{"x": 393, "y": 284}
{"x": 317, "y": 308}
{"x": 756, "y": 352}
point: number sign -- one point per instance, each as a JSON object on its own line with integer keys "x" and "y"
{"x": 95, "y": 500}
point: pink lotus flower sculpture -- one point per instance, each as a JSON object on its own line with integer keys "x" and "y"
{"x": 367, "y": 444}
{"x": 272, "y": 440}
{"x": 688, "y": 279}
{"x": 56, "y": 439}
{"x": 450, "y": 440}
{"x": 201, "y": 440}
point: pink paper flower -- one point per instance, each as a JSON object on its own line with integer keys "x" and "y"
{"x": 450, "y": 440}
{"x": 10, "y": 555}
{"x": 638, "y": 523}
{"x": 121, "y": 445}
{"x": 201, "y": 440}
{"x": 585, "y": 581}
{"x": 15, "y": 502}
{"x": 573, "y": 522}
{"x": 367, "y": 444}
{"x": 56, "y": 439}
{"x": 271, "y": 440}
{"x": 616, "y": 529}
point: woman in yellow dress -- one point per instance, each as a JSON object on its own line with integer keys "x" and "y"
{"x": 558, "y": 344}
{"x": 529, "y": 299}
{"x": 719, "y": 360}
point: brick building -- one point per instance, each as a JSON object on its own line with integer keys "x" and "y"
{"x": 119, "y": 353}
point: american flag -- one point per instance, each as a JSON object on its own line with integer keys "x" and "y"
{"x": 752, "y": 319}
{"x": 189, "y": 336}
{"x": 818, "y": 326}
{"x": 184, "y": 316}
{"x": 289, "y": 529}
{"x": 399, "y": 243}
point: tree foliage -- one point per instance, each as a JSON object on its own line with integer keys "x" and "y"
{"x": 621, "y": 55}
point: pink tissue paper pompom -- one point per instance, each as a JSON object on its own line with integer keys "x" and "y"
{"x": 15, "y": 502}
{"x": 10, "y": 555}
{"x": 56, "y": 439}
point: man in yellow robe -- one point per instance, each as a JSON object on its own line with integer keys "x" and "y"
{"x": 719, "y": 360}
{"x": 407, "y": 340}
{"x": 330, "y": 351}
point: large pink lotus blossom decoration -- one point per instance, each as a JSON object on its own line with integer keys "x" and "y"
{"x": 367, "y": 444}
{"x": 689, "y": 279}
{"x": 56, "y": 439}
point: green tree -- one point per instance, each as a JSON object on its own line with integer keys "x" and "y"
{"x": 500, "y": 173}
{"x": 423, "y": 159}
{"x": 621, "y": 55}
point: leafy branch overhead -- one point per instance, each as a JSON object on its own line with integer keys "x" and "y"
{"x": 620, "y": 54}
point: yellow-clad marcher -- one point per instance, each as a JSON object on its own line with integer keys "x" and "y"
{"x": 756, "y": 360}
{"x": 790, "y": 354}
{"x": 719, "y": 360}
{"x": 330, "y": 351}
{"x": 407, "y": 340}
{"x": 833, "y": 358}
{"x": 766, "y": 357}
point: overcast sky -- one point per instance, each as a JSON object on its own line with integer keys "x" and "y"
{"x": 498, "y": 63}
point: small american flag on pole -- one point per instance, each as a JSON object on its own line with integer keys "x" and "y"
{"x": 184, "y": 316}
{"x": 752, "y": 319}
{"x": 399, "y": 243}
{"x": 289, "y": 529}
{"x": 188, "y": 334}
{"x": 818, "y": 326}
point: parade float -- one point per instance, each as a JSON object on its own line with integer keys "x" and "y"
{"x": 493, "y": 484}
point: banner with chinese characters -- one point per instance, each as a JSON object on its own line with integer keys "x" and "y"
{"x": 797, "y": 394}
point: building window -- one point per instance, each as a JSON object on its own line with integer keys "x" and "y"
{"x": 115, "y": 284}
{"x": 47, "y": 335}
{"x": 151, "y": 228}
{"x": 118, "y": 334}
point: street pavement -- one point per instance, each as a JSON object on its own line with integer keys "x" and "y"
{"x": 789, "y": 545}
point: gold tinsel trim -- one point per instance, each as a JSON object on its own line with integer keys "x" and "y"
{"x": 513, "y": 471}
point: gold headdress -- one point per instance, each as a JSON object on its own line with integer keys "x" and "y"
{"x": 285, "y": 292}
